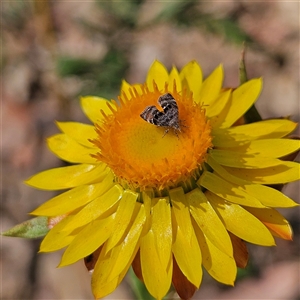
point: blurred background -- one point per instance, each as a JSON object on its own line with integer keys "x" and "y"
{"x": 55, "y": 51}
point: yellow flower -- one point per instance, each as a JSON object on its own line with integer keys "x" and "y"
{"x": 168, "y": 202}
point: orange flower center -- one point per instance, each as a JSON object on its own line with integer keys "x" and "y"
{"x": 143, "y": 155}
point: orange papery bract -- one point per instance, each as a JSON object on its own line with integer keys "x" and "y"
{"x": 183, "y": 287}
{"x": 240, "y": 251}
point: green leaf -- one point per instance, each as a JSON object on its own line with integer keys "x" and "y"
{"x": 33, "y": 228}
{"x": 125, "y": 14}
{"x": 228, "y": 28}
{"x": 67, "y": 66}
{"x": 138, "y": 288}
{"x": 252, "y": 115}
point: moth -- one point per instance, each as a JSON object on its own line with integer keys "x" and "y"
{"x": 169, "y": 118}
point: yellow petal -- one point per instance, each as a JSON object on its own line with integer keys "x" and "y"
{"x": 112, "y": 265}
{"x": 138, "y": 88}
{"x": 217, "y": 107}
{"x": 147, "y": 197}
{"x": 68, "y": 177}
{"x": 158, "y": 74}
{"x": 74, "y": 198}
{"x": 274, "y": 221}
{"x": 266, "y": 195}
{"x": 92, "y": 107}
{"x": 161, "y": 226}
{"x": 174, "y": 81}
{"x": 123, "y": 217}
{"x": 101, "y": 206}
{"x": 267, "y": 129}
{"x": 268, "y": 147}
{"x": 240, "y": 222}
{"x": 192, "y": 74}
{"x": 185, "y": 246}
{"x": 242, "y": 160}
{"x": 157, "y": 274}
{"x": 157, "y": 280}
{"x": 269, "y": 196}
{"x": 125, "y": 88}
{"x": 69, "y": 150}
{"x": 58, "y": 238}
{"x": 208, "y": 221}
{"x": 285, "y": 172}
{"x": 211, "y": 87}
{"x": 101, "y": 291}
{"x": 218, "y": 264}
{"x": 79, "y": 132}
{"x": 124, "y": 253}
{"x": 181, "y": 213}
{"x": 87, "y": 241}
{"x": 242, "y": 99}
{"x": 226, "y": 190}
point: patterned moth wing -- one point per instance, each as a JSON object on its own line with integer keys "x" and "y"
{"x": 169, "y": 118}
{"x": 152, "y": 115}
{"x": 171, "y": 115}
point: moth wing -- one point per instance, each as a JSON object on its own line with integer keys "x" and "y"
{"x": 150, "y": 114}
{"x": 167, "y": 102}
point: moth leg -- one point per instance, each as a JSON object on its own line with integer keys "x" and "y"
{"x": 176, "y": 132}
{"x": 181, "y": 123}
{"x": 166, "y": 131}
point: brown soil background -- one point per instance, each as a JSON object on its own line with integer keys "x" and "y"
{"x": 36, "y": 34}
